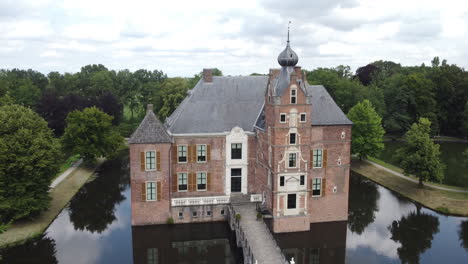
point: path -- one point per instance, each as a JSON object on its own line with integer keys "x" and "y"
{"x": 62, "y": 176}
{"x": 413, "y": 180}
{"x": 61, "y": 195}
{"x": 262, "y": 244}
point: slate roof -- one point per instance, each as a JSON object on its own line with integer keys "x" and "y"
{"x": 219, "y": 106}
{"x": 324, "y": 109}
{"x": 150, "y": 130}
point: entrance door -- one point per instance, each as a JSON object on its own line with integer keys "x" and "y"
{"x": 236, "y": 180}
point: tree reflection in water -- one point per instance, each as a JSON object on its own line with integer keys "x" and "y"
{"x": 463, "y": 234}
{"x": 363, "y": 197}
{"x": 415, "y": 233}
{"x": 39, "y": 250}
{"x": 93, "y": 206}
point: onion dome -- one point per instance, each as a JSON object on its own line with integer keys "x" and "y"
{"x": 288, "y": 57}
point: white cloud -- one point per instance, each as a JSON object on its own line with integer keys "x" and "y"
{"x": 73, "y": 46}
{"x": 25, "y": 29}
{"x": 51, "y": 53}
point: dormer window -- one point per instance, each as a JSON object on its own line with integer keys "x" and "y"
{"x": 292, "y": 138}
{"x": 293, "y": 96}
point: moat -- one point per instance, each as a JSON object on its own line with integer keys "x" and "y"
{"x": 382, "y": 228}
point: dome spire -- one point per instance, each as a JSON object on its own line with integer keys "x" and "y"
{"x": 288, "y": 57}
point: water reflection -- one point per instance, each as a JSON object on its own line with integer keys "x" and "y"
{"x": 363, "y": 199}
{"x": 178, "y": 244}
{"x": 93, "y": 207}
{"x": 415, "y": 233}
{"x": 324, "y": 243}
{"x": 40, "y": 250}
{"x": 463, "y": 234}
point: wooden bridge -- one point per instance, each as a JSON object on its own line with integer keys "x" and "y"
{"x": 253, "y": 236}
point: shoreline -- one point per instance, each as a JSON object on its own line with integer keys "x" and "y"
{"x": 61, "y": 195}
{"x": 442, "y": 201}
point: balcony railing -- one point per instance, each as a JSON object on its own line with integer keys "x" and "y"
{"x": 200, "y": 200}
{"x": 256, "y": 198}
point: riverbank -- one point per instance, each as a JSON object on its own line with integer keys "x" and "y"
{"x": 23, "y": 230}
{"x": 442, "y": 201}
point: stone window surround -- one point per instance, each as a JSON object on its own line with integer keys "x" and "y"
{"x": 300, "y": 117}
{"x": 206, "y": 181}
{"x": 293, "y": 96}
{"x": 201, "y": 156}
{"x": 320, "y": 187}
{"x": 178, "y": 175}
{"x": 186, "y": 153}
{"x": 155, "y": 191}
{"x": 313, "y": 158}
{"x": 285, "y": 117}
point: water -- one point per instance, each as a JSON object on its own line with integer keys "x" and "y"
{"x": 96, "y": 228}
{"x": 451, "y": 155}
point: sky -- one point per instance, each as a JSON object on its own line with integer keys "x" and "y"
{"x": 238, "y": 36}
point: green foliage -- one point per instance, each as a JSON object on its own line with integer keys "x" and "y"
{"x": 238, "y": 217}
{"x": 170, "y": 221}
{"x": 259, "y": 216}
{"x": 172, "y": 92}
{"x": 90, "y": 133}
{"x": 420, "y": 156}
{"x": 30, "y": 157}
{"x": 465, "y": 121}
{"x": 367, "y": 130}
{"x": 465, "y": 158}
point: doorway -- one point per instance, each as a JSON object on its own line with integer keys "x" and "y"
{"x": 236, "y": 180}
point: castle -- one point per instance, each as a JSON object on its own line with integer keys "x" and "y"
{"x": 274, "y": 140}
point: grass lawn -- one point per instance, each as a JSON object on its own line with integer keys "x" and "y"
{"x": 441, "y": 201}
{"x": 67, "y": 164}
{"x": 23, "y": 230}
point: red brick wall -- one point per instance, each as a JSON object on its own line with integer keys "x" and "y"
{"x": 149, "y": 212}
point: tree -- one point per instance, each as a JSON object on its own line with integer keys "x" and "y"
{"x": 465, "y": 121}
{"x": 415, "y": 233}
{"x": 29, "y": 155}
{"x": 367, "y": 130}
{"x": 90, "y": 134}
{"x": 420, "y": 156}
{"x": 366, "y": 73}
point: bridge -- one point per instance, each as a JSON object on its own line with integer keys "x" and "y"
{"x": 256, "y": 240}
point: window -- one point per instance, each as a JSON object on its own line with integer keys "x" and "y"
{"x": 195, "y": 214}
{"x": 292, "y": 160}
{"x": 282, "y": 118}
{"x": 314, "y": 256}
{"x": 236, "y": 151}
{"x": 150, "y": 191}
{"x": 343, "y": 135}
{"x": 182, "y": 181}
{"x": 292, "y": 201}
{"x": 150, "y": 160}
{"x": 292, "y": 138}
{"x": 303, "y": 118}
{"x": 208, "y": 213}
{"x": 152, "y": 255}
{"x": 293, "y": 96}
{"x": 201, "y": 181}
{"x": 223, "y": 212}
{"x": 236, "y": 172}
{"x": 181, "y": 214}
{"x": 281, "y": 180}
{"x": 182, "y": 153}
{"x": 201, "y": 153}
{"x": 317, "y": 187}
{"x": 317, "y": 159}
{"x": 302, "y": 181}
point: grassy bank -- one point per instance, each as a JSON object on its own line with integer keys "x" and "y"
{"x": 441, "y": 201}
{"x": 61, "y": 195}
{"x": 67, "y": 164}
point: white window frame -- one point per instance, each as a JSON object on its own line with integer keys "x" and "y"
{"x": 146, "y": 159}
{"x": 313, "y": 186}
{"x": 297, "y": 157}
{"x": 300, "y": 119}
{"x": 295, "y": 138}
{"x": 240, "y": 150}
{"x": 178, "y": 181}
{"x": 291, "y": 96}
{"x": 313, "y": 158}
{"x": 282, "y": 114}
{"x": 186, "y": 153}
{"x": 206, "y": 154}
{"x": 305, "y": 179}
{"x": 206, "y": 181}
{"x": 155, "y": 191}
{"x": 295, "y": 202}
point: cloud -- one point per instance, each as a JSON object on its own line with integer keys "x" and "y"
{"x": 25, "y": 29}
{"x": 73, "y": 46}
{"x": 419, "y": 31}
{"x": 51, "y": 53}
{"x": 92, "y": 32}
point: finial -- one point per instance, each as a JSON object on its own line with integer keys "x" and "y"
{"x": 288, "y": 29}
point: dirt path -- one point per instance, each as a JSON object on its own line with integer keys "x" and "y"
{"x": 61, "y": 195}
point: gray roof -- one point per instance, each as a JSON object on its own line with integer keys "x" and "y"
{"x": 150, "y": 130}
{"x": 219, "y": 106}
{"x": 324, "y": 109}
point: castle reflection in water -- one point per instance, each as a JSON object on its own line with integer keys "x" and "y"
{"x": 215, "y": 243}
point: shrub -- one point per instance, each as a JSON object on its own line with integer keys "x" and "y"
{"x": 238, "y": 217}
{"x": 170, "y": 221}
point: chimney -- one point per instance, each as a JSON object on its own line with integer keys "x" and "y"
{"x": 149, "y": 107}
{"x": 298, "y": 71}
{"x": 208, "y": 75}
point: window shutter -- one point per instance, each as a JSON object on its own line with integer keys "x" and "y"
{"x": 174, "y": 154}
{"x": 208, "y": 181}
{"x": 194, "y": 153}
{"x": 324, "y": 186}
{"x": 142, "y": 161}
{"x": 189, "y": 154}
{"x": 324, "y": 158}
{"x": 208, "y": 152}
{"x": 311, "y": 186}
{"x": 191, "y": 181}
{"x": 174, "y": 182}
{"x": 158, "y": 191}
{"x": 311, "y": 158}
{"x": 143, "y": 192}
{"x": 158, "y": 160}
